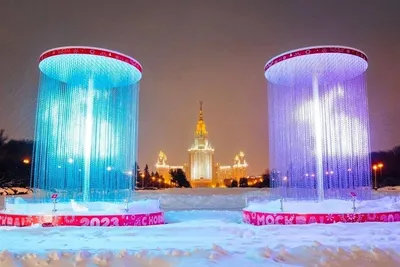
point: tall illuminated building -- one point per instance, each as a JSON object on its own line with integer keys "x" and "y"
{"x": 163, "y": 168}
{"x": 201, "y": 169}
{"x": 239, "y": 166}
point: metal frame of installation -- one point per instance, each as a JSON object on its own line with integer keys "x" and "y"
{"x": 318, "y": 128}
{"x": 86, "y": 132}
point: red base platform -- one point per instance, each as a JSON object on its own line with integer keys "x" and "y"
{"x": 265, "y": 218}
{"x": 82, "y": 220}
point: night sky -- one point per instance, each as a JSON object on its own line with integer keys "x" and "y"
{"x": 209, "y": 50}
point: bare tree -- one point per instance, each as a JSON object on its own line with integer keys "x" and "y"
{"x": 3, "y": 137}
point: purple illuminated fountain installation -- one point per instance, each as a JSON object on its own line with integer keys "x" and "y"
{"x": 318, "y": 123}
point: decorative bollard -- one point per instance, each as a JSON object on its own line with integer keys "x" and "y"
{"x": 353, "y": 197}
{"x": 54, "y": 198}
{"x": 126, "y": 205}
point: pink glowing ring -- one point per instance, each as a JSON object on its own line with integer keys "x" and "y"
{"x": 283, "y": 218}
{"x": 315, "y": 50}
{"x": 82, "y": 50}
{"x": 116, "y": 220}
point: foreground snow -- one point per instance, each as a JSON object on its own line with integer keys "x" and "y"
{"x": 203, "y": 238}
{"x": 384, "y": 204}
{"x": 389, "y": 189}
{"x": 9, "y": 191}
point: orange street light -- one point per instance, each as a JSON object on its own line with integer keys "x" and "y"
{"x": 142, "y": 175}
{"x": 380, "y": 166}
{"x": 26, "y": 161}
{"x": 374, "y": 167}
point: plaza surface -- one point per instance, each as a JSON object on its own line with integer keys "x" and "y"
{"x": 204, "y": 228}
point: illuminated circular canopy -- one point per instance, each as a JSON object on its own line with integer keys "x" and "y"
{"x": 78, "y": 64}
{"x": 327, "y": 63}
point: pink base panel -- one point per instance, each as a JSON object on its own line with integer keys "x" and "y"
{"x": 265, "y": 218}
{"x": 82, "y": 220}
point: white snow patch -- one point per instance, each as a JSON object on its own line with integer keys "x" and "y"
{"x": 20, "y": 206}
{"x": 203, "y": 238}
{"x": 385, "y": 204}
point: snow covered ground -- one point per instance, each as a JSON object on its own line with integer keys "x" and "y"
{"x": 389, "y": 189}
{"x": 384, "y": 204}
{"x": 213, "y": 235}
{"x": 14, "y": 191}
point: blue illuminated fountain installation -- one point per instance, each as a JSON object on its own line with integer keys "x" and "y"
{"x": 86, "y": 124}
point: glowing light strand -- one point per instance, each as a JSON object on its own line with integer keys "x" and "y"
{"x": 318, "y": 128}
{"x": 86, "y": 129}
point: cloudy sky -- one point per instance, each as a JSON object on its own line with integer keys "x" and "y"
{"x": 191, "y": 50}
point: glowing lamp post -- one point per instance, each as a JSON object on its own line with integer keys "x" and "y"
{"x": 375, "y": 180}
{"x": 318, "y": 122}
{"x": 86, "y": 123}
{"x": 380, "y": 166}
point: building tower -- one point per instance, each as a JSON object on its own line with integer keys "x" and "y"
{"x": 201, "y": 156}
{"x": 161, "y": 166}
{"x": 239, "y": 166}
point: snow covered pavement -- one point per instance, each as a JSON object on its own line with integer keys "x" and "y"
{"x": 203, "y": 238}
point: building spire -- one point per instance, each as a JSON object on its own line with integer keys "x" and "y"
{"x": 201, "y": 126}
{"x": 201, "y": 111}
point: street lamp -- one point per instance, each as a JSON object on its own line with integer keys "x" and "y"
{"x": 142, "y": 175}
{"x": 26, "y": 161}
{"x": 375, "y": 167}
{"x": 380, "y": 166}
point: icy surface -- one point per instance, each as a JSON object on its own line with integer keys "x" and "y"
{"x": 331, "y": 206}
{"x": 203, "y": 238}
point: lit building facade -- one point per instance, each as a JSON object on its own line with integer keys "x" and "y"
{"x": 201, "y": 169}
{"x": 224, "y": 172}
{"x": 163, "y": 168}
{"x": 239, "y": 167}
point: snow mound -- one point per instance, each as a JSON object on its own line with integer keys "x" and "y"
{"x": 389, "y": 189}
{"x": 19, "y": 205}
{"x": 331, "y": 206}
{"x": 10, "y": 191}
{"x": 314, "y": 255}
